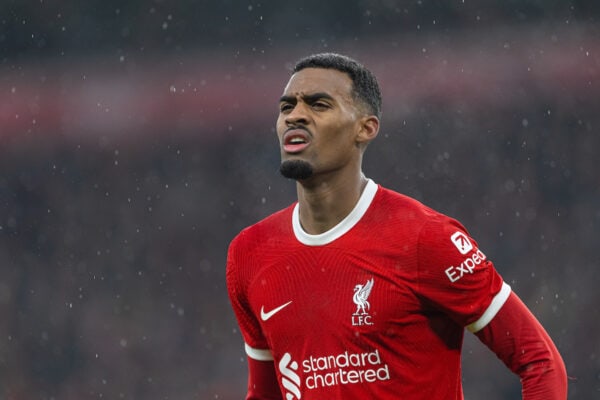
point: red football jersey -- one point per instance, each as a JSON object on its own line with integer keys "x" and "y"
{"x": 374, "y": 308}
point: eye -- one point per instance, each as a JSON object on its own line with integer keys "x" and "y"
{"x": 320, "y": 105}
{"x": 285, "y": 107}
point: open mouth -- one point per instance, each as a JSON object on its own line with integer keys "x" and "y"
{"x": 295, "y": 140}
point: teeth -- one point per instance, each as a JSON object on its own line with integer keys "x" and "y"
{"x": 296, "y": 140}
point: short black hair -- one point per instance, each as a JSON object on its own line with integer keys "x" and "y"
{"x": 364, "y": 83}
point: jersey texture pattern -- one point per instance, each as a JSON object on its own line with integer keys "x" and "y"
{"x": 374, "y": 308}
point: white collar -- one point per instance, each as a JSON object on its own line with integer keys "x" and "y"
{"x": 342, "y": 227}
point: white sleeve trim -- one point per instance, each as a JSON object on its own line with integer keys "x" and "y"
{"x": 495, "y": 306}
{"x": 258, "y": 354}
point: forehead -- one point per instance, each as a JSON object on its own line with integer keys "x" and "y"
{"x": 314, "y": 80}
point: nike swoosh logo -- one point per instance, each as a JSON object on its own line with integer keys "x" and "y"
{"x": 266, "y": 315}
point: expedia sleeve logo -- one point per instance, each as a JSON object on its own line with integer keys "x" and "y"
{"x": 464, "y": 246}
{"x": 462, "y": 242}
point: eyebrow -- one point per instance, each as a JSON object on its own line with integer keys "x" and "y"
{"x": 308, "y": 98}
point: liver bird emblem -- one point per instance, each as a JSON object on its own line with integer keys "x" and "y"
{"x": 361, "y": 294}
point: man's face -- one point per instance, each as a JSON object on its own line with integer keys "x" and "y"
{"x": 318, "y": 121}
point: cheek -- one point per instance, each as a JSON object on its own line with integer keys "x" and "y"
{"x": 280, "y": 119}
{"x": 279, "y": 127}
{"x": 344, "y": 134}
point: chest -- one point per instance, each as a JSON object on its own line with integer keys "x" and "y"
{"x": 315, "y": 295}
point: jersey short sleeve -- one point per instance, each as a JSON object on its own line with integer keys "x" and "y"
{"x": 237, "y": 276}
{"x": 456, "y": 277}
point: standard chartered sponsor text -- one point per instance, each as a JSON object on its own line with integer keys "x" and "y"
{"x": 345, "y": 368}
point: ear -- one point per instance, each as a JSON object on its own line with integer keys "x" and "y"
{"x": 369, "y": 128}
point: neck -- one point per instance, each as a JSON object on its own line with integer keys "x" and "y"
{"x": 325, "y": 202}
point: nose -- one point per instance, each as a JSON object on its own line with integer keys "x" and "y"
{"x": 298, "y": 115}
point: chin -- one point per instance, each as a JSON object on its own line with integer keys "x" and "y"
{"x": 296, "y": 169}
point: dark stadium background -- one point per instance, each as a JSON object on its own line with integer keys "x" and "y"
{"x": 136, "y": 139}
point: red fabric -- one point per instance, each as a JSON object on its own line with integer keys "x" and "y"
{"x": 298, "y": 299}
{"x": 262, "y": 381}
{"x": 523, "y": 345}
{"x": 427, "y": 279}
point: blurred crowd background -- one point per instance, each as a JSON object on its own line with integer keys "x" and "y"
{"x": 137, "y": 138}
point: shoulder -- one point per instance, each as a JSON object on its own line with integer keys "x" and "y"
{"x": 406, "y": 209}
{"x": 428, "y": 229}
{"x": 264, "y": 231}
{"x": 249, "y": 247}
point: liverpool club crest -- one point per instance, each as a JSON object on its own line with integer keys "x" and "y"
{"x": 360, "y": 298}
